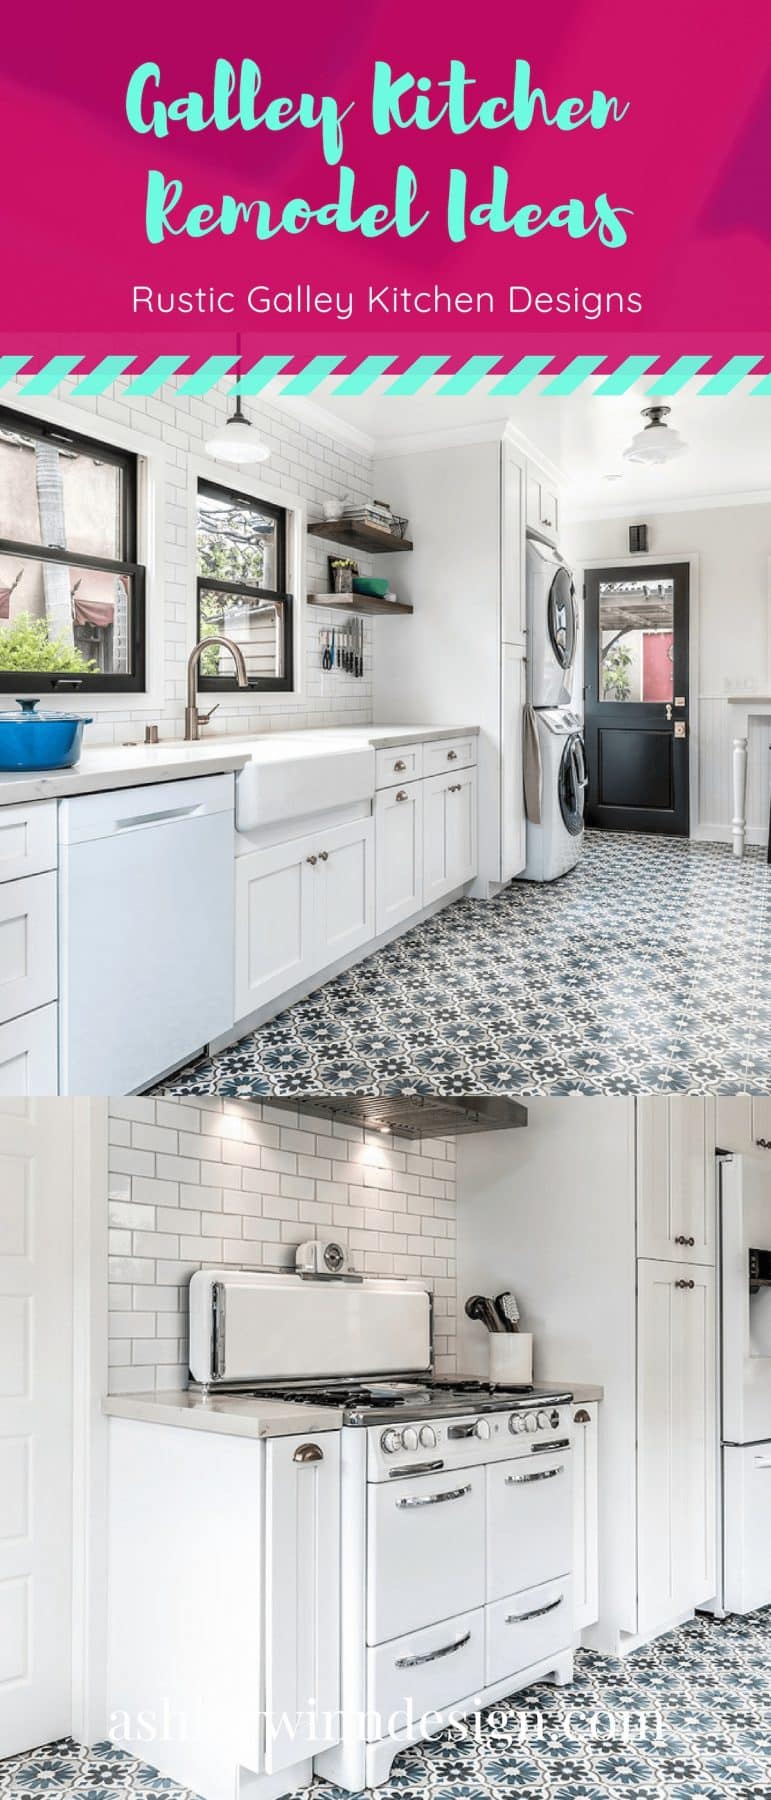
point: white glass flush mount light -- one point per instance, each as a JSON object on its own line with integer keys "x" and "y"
{"x": 657, "y": 442}
{"x": 237, "y": 441}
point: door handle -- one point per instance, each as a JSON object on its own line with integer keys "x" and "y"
{"x": 435, "y": 1499}
{"x": 668, "y": 710}
{"x": 685, "y": 1284}
{"x": 538, "y": 1475}
{"x": 323, "y": 856}
{"x": 537, "y": 1612}
{"x": 308, "y": 1453}
{"x": 687, "y": 1241}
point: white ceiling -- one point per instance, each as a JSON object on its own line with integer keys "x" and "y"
{"x": 583, "y": 438}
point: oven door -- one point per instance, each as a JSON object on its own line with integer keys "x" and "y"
{"x": 425, "y": 1550}
{"x": 529, "y": 1522}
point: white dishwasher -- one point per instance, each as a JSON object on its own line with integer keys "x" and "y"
{"x": 146, "y": 930}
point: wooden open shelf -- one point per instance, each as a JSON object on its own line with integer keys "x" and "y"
{"x": 369, "y": 538}
{"x": 359, "y": 603}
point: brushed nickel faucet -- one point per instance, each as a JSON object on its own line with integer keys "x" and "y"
{"x": 193, "y": 718}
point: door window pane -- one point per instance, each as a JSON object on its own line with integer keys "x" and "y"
{"x": 636, "y": 635}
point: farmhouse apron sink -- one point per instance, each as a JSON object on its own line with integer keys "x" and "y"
{"x": 286, "y": 778}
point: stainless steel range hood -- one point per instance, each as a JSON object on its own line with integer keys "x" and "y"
{"x": 413, "y": 1115}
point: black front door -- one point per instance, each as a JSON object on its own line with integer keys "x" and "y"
{"x": 636, "y": 698}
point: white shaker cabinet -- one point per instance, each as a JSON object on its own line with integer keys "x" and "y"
{"x": 743, "y": 1122}
{"x": 676, "y": 1178}
{"x": 302, "y": 1593}
{"x": 29, "y": 1054}
{"x": 449, "y": 832}
{"x": 586, "y": 1573}
{"x": 300, "y": 906}
{"x": 399, "y": 854}
{"x": 28, "y": 953}
{"x": 676, "y": 1457}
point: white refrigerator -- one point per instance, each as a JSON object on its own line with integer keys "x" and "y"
{"x": 745, "y": 1241}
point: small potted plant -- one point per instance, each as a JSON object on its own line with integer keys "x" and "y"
{"x": 342, "y": 570}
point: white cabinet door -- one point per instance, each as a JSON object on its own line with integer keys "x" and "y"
{"x": 542, "y": 504}
{"x": 29, "y": 1054}
{"x": 513, "y": 823}
{"x": 302, "y": 1594}
{"x": 345, "y": 890}
{"x": 275, "y": 922}
{"x": 586, "y": 1576}
{"x": 27, "y": 839}
{"x": 449, "y": 833}
{"x": 398, "y": 854}
{"x": 676, "y": 1191}
{"x": 676, "y": 1426}
{"x": 28, "y": 938}
{"x": 35, "y": 1423}
{"x": 734, "y": 1122}
{"x": 512, "y": 547}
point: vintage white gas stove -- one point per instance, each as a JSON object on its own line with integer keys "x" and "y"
{"x": 455, "y": 1501}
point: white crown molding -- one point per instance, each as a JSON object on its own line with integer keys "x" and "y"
{"x": 636, "y": 511}
{"x": 318, "y": 418}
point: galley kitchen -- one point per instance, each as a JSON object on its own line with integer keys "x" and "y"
{"x": 405, "y": 1447}
{"x": 333, "y": 759}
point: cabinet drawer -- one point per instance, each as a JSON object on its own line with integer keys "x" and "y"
{"x": 29, "y": 1058}
{"x": 28, "y": 961}
{"x": 529, "y": 1521}
{"x": 528, "y": 1628}
{"x": 405, "y": 763}
{"x": 27, "y": 839}
{"x": 449, "y": 753}
{"x": 427, "y": 1670}
{"x": 415, "y": 1573}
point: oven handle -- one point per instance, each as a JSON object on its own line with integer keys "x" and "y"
{"x": 427, "y": 1656}
{"x": 537, "y": 1475}
{"x": 425, "y": 1468}
{"x": 435, "y": 1499}
{"x": 555, "y": 1444}
{"x": 537, "y": 1612}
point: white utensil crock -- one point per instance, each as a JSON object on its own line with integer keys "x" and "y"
{"x": 511, "y": 1357}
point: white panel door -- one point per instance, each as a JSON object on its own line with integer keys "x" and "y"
{"x": 302, "y": 1594}
{"x": 677, "y": 1195}
{"x": 29, "y": 1053}
{"x": 345, "y": 890}
{"x": 35, "y": 1422}
{"x": 398, "y": 854}
{"x": 586, "y": 1579}
{"x": 275, "y": 924}
{"x": 28, "y": 974}
{"x": 449, "y": 833}
{"x": 513, "y": 824}
{"x": 676, "y": 1428}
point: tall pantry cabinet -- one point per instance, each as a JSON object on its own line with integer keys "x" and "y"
{"x": 463, "y": 660}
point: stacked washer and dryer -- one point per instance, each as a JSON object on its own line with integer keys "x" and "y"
{"x": 554, "y": 845}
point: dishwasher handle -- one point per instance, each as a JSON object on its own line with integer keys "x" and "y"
{"x": 165, "y": 817}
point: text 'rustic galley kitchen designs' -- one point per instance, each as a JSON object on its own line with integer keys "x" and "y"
{"x": 385, "y": 1092}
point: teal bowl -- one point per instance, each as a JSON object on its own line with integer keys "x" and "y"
{"x": 371, "y": 585}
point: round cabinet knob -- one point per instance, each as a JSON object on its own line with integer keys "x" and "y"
{"x": 428, "y": 1437}
{"x": 531, "y": 1422}
{"x": 543, "y": 1420}
{"x": 410, "y": 1438}
{"x": 516, "y": 1423}
{"x": 391, "y": 1441}
{"x": 482, "y": 1429}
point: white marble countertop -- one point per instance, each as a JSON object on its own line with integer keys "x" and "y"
{"x": 137, "y": 765}
{"x": 234, "y": 1415}
{"x": 584, "y": 1393}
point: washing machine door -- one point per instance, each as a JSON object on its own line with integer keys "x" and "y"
{"x": 571, "y": 785}
{"x": 562, "y": 617}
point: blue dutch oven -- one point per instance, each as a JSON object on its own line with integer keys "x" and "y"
{"x": 33, "y": 740}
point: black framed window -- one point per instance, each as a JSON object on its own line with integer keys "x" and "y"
{"x": 242, "y": 564}
{"x": 72, "y": 594}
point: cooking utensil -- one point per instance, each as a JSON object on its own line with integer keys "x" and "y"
{"x": 332, "y": 652}
{"x": 480, "y": 1308}
{"x": 326, "y": 660}
{"x": 507, "y": 1310}
{"x": 33, "y": 740}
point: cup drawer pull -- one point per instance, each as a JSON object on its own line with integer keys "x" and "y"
{"x": 413, "y": 1662}
{"x": 308, "y": 1453}
{"x": 537, "y": 1475}
{"x": 435, "y": 1499}
{"x": 538, "y": 1612}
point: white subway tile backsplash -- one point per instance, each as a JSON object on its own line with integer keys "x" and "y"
{"x": 228, "y": 1183}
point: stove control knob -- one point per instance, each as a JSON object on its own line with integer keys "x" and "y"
{"x": 543, "y": 1420}
{"x": 410, "y": 1438}
{"x": 482, "y": 1429}
{"x": 516, "y": 1422}
{"x": 554, "y": 1418}
{"x": 390, "y": 1442}
{"x": 531, "y": 1422}
{"x": 428, "y": 1437}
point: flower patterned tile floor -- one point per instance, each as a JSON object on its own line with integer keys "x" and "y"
{"x": 647, "y": 968}
{"x": 704, "y": 1692}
